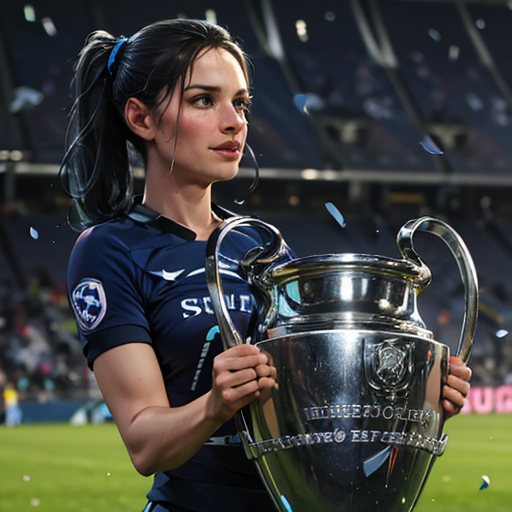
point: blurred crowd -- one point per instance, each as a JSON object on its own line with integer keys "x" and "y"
{"x": 40, "y": 357}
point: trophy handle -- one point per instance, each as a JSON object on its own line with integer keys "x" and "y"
{"x": 466, "y": 268}
{"x": 264, "y": 255}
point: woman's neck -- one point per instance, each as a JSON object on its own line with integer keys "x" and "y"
{"x": 189, "y": 206}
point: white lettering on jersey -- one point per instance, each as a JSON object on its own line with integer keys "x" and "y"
{"x": 190, "y": 308}
{"x": 193, "y": 307}
{"x": 207, "y": 301}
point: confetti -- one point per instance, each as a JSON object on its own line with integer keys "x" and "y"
{"x": 34, "y": 233}
{"x": 480, "y": 23}
{"x": 336, "y": 214}
{"x": 373, "y": 463}
{"x": 300, "y": 99}
{"x": 485, "y": 482}
{"x": 474, "y": 101}
{"x": 453, "y": 52}
{"x": 430, "y": 146}
{"x": 308, "y": 101}
{"x": 434, "y": 34}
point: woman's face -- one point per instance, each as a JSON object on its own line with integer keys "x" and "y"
{"x": 212, "y": 126}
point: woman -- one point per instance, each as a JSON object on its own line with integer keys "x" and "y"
{"x": 178, "y": 91}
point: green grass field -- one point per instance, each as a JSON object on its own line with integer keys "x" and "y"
{"x": 61, "y": 468}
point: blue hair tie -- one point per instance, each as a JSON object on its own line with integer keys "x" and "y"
{"x": 114, "y": 52}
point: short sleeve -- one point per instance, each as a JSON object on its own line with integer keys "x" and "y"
{"x": 105, "y": 293}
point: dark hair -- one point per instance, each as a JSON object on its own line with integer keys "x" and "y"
{"x": 96, "y": 168}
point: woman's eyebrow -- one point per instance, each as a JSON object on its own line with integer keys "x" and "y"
{"x": 214, "y": 88}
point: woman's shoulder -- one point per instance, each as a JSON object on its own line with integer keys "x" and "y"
{"x": 117, "y": 232}
{"x": 103, "y": 242}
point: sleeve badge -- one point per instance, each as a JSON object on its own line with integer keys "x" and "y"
{"x": 89, "y": 303}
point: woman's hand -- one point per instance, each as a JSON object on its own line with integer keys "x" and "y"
{"x": 239, "y": 375}
{"x": 457, "y": 387}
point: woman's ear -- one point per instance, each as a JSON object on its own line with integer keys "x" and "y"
{"x": 139, "y": 119}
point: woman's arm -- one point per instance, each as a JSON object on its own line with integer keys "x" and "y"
{"x": 457, "y": 387}
{"x": 159, "y": 437}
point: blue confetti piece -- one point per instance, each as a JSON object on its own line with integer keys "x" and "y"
{"x": 480, "y": 24}
{"x": 300, "y": 99}
{"x": 375, "y": 462}
{"x": 474, "y": 102}
{"x": 336, "y": 214}
{"x": 286, "y": 503}
{"x": 434, "y": 34}
{"x": 430, "y": 146}
{"x": 34, "y": 234}
{"x": 485, "y": 483}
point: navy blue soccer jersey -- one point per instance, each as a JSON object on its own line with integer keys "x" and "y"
{"x": 141, "y": 279}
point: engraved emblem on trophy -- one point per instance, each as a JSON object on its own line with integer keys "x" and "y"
{"x": 389, "y": 369}
{"x": 356, "y": 421}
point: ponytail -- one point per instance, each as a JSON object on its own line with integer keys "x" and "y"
{"x": 95, "y": 170}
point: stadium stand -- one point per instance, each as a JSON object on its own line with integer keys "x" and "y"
{"x": 343, "y": 94}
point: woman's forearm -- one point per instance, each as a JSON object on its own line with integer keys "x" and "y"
{"x": 164, "y": 438}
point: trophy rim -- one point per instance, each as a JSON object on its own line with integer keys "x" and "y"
{"x": 326, "y": 263}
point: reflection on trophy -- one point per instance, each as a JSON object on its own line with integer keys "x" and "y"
{"x": 356, "y": 421}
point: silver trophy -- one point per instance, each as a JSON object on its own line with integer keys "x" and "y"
{"x": 355, "y": 421}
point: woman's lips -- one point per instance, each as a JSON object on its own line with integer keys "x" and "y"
{"x": 229, "y": 150}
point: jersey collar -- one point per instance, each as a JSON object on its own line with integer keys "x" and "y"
{"x": 144, "y": 215}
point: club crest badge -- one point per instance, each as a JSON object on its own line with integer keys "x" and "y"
{"x": 388, "y": 367}
{"x": 89, "y": 303}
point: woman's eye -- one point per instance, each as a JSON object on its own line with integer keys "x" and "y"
{"x": 203, "y": 101}
{"x": 243, "y": 104}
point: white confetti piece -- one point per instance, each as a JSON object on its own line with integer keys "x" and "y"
{"x": 485, "y": 482}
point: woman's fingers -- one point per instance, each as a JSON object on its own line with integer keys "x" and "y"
{"x": 450, "y": 409}
{"x": 236, "y": 378}
{"x": 265, "y": 370}
{"x": 251, "y": 377}
{"x": 457, "y": 387}
{"x": 266, "y": 376}
{"x": 239, "y": 375}
{"x": 459, "y": 369}
{"x": 239, "y": 357}
{"x": 454, "y": 395}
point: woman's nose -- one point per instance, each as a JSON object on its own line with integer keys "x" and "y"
{"x": 232, "y": 120}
